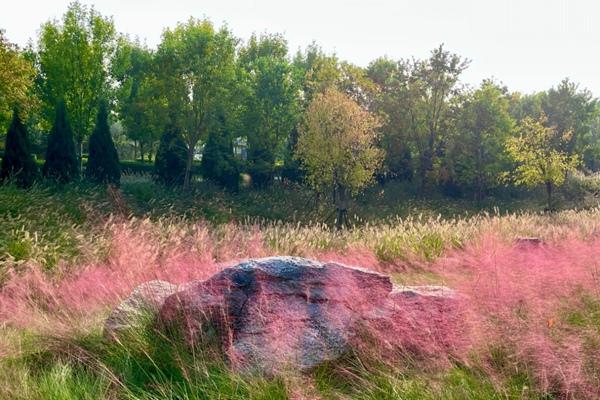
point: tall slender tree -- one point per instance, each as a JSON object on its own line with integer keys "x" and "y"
{"x": 196, "y": 62}
{"x": 272, "y": 103}
{"x": 103, "y": 161}
{"x": 74, "y": 59}
{"x": 61, "y": 159}
{"x": 432, "y": 84}
{"x": 18, "y": 164}
{"x": 141, "y": 100}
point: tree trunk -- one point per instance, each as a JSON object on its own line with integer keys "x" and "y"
{"x": 188, "y": 168}
{"x": 142, "y": 151}
{"x": 479, "y": 195}
{"x": 479, "y": 176}
{"x": 341, "y": 204}
{"x": 80, "y": 142}
{"x": 549, "y": 188}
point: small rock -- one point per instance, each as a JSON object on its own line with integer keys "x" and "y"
{"x": 144, "y": 302}
{"x": 528, "y": 242}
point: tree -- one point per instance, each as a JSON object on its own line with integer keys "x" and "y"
{"x": 197, "y": 67}
{"x": 271, "y": 103}
{"x": 391, "y": 103}
{"x": 572, "y": 110}
{"x": 61, "y": 160}
{"x": 103, "y": 161}
{"x": 477, "y": 147}
{"x": 18, "y": 163}
{"x": 316, "y": 72}
{"x": 142, "y": 104}
{"x": 171, "y": 158}
{"x": 432, "y": 84}
{"x": 16, "y": 80}
{"x": 337, "y": 146}
{"x": 539, "y": 162}
{"x": 218, "y": 161}
{"x": 74, "y": 57}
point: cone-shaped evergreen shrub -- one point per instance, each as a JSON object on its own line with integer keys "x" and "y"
{"x": 292, "y": 170}
{"x": 218, "y": 161}
{"x": 103, "y": 160}
{"x": 18, "y": 164}
{"x": 61, "y": 163}
{"x": 171, "y": 158}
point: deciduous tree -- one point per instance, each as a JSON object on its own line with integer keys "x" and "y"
{"x": 16, "y": 80}
{"x": 74, "y": 59}
{"x": 337, "y": 146}
{"x": 477, "y": 145}
{"x": 539, "y": 162}
{"x": 271, "y": 104}
{"x": 197, "y": 64}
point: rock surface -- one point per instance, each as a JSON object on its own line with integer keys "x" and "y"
{"x": 143, "y": 304}
{"x": 287, "y": 312}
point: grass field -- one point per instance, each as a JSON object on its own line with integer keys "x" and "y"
{"x": 531, "y": 314}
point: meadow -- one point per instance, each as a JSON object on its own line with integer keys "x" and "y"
{"x": 531, "y": 313}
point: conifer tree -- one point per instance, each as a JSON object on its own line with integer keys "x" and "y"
{"x": 171, "y": 158}
{"x": 61, "y": 159}
{"x": 103, "y": 160}
{"x": 18, "y": 164}
{"x": 218, "y": 162}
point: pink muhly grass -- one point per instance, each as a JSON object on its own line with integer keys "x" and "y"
{"x": 517, "y": 297}
{"x": 510, "y": 297}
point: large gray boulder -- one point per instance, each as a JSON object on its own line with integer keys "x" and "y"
{"x": 286, "y": 312}
{"x": 141, "y": 307}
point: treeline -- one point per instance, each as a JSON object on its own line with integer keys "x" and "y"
{"x": 241, "y": 107}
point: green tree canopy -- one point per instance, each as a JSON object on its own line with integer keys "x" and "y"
{"x": 141, "y": 100}
{"x": 477, "y": 146}
{"x": 337, "y": 146}
{"x": 539, "y": 162}
{"x": 392, "y": 103}
{"x": 74, "y": 59}
{"x": 197, "y": 64}
{"x": 271, "y": 104}
{"x": 16, "y": 80}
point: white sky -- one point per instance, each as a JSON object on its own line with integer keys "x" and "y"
{"x": 529, "y": 45}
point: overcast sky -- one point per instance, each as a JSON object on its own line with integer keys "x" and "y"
{"x": 529, "y": 45}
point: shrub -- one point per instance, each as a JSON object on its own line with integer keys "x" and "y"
{"x": 218, "y": 162}
{"x": 103, "y": 160}
{"x": 171, "y": 158}
{"x": 18, "y": 163}
{"x": 61, "y": 160}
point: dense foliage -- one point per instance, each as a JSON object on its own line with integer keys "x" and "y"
{"x": 238, "y": 106}
{"x": 337, "y": 147}
{"x": 18, "y": 164}
{"x": 61, "y": 159}
{"x": 171, "y": 159}
{"x": 103, "y": 160}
